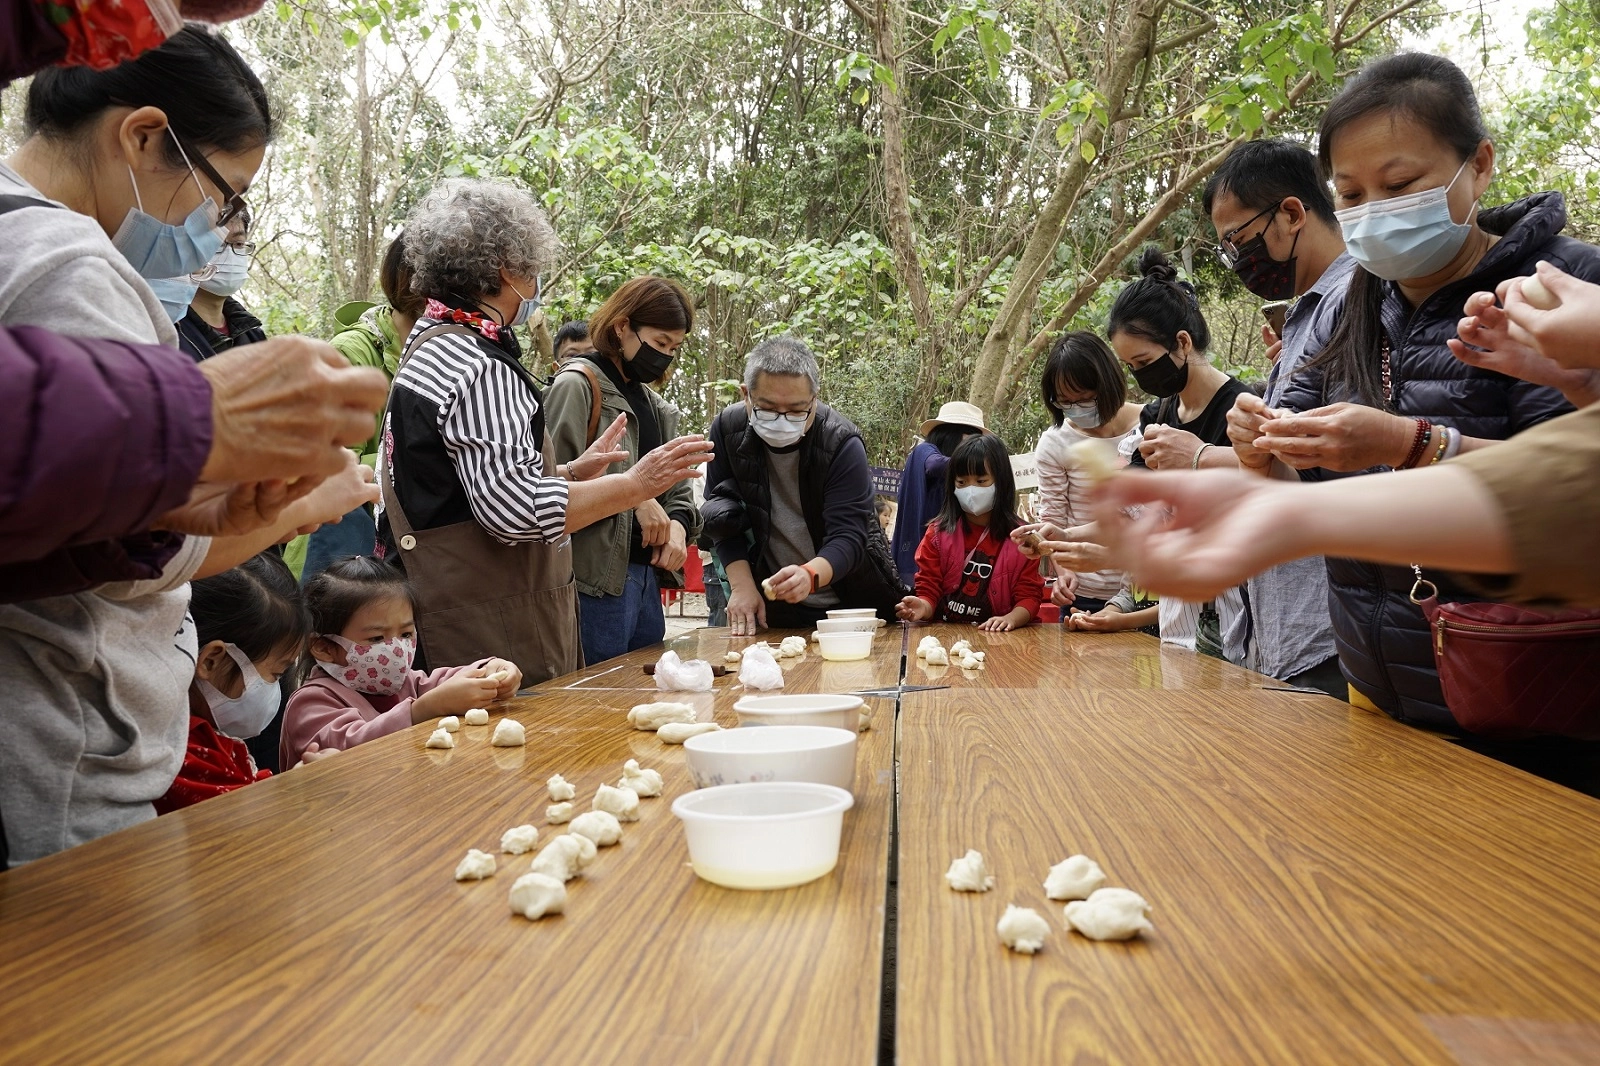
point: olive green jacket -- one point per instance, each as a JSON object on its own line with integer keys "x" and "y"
{"x": 600, "y": 551}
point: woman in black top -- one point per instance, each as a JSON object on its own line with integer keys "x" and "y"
{"x": 1156, "y": 328}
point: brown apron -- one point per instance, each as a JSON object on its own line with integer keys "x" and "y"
{"x": 477, "y": 597}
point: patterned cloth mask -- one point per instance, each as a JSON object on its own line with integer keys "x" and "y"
{"x": 379, "y": 669}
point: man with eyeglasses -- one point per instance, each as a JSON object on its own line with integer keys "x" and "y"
{"x": 789, "y": 501}
{"x": 217, "y": 321}
{"x": 1277, "y": 231}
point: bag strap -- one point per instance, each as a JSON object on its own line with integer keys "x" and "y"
{"x": 582, "y": 366}
{"x": 9, "y": 204}
{"x": 428, "y": 334}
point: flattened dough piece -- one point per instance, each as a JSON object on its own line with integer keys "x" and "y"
{"x": 969, "y": 874}
{"x": 652, "y": 716}
{"x": 476, "y": 866}
{"x": 509, "y": 734}
{"x": 622, "y": 802}
{"x": 1023, "y": 929}
{"x": 558, "y": 813}
{"x": 519, "y": 839}
{"x": 646, "y": 783}
{"x": 601, "y": 827}
{"x": 560, "y": 791}
{"x": 1110, "y": 914}
{"x": 678, "y": 732}
{"x": 477, "y": 716}
{"x": 1075, "y": 878}
{"x": 440, "y": 738}
{"x": 535, "y": 895}
{"x": 450, "y": 724}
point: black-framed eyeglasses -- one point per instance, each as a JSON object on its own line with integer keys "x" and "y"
{"x": 794, "y": 418}
{"x": 233, "y": 204}
{"x": 1227, "y": 250}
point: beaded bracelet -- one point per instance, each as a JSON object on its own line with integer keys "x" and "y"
{"x": 1424, "y": 429}
{"x": 1444, "y": 442}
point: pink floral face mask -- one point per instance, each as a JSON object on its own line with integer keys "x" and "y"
{"x": 378, "y": 669}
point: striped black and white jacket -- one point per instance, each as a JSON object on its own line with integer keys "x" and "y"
{"x": 464, "y": 435}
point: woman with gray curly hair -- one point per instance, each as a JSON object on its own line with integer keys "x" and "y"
{"x": 474, "y": 512}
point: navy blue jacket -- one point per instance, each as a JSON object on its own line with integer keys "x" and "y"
{"x": 1383, "y": 640}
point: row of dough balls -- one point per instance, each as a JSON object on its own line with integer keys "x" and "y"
{"x": 543, "y": 889}
{"x": 508, "y": 734}
{"x": 933, "y": 653}
{"x": 1097, "y": 912}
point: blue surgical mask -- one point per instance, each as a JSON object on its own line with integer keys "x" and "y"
{"x": 976, "y": 499}
{"x": 253, "y": 710}
{"x": 158, "y": 249}
{"x": 175, "y": 294}
{"x": 229, "y": 270}
{"x": 1409, "y": 236}
{"x": 527, "y": 307}
{"x": 1082, "y": 415}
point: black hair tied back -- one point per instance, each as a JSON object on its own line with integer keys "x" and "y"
{"x": 1158, "y": 306}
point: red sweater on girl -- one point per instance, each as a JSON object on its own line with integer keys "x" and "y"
{"x": 1013, "y": 579}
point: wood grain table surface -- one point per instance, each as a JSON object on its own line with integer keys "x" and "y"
{"x": 1327, "y": 885}
{"x": 314, "y": 918}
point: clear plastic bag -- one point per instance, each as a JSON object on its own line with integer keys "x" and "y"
{"x": 759, "y": 670}
{"x": 675, "y": 675}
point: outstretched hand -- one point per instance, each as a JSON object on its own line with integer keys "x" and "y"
{"x": 598, "y": 457}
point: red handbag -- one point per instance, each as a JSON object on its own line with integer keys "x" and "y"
{"x": 1514, "y": 672}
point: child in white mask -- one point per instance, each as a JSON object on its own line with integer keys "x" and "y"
{"x": 361, "y": 684}
{"x": 968, "y": 568}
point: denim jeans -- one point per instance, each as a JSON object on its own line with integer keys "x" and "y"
{"x": 355, "y": 534}
{"x": 615, "y": 625}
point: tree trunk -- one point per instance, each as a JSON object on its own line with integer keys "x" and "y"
{"x": 1134, "y": 45}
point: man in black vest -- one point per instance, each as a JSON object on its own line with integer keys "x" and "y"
{"x": 789, "y": 501}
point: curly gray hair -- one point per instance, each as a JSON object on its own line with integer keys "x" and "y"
{"x": 466, "y": 230}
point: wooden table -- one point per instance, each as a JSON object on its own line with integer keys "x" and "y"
{"x": 313, "y": 918}
{"x": 1328, "y": 886}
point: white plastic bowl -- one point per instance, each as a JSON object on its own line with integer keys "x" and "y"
{"x": 853, "y": 612}
{"x": 775, "y": 834}
{"x": 844, "y": 647}
{"x": 847, "y": 625}
{"x": 840, "y": 712}
{"x": 799, "y": 753}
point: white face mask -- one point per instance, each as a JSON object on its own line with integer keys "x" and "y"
{"x": 227, "y": 272}
{"x": 252, "y": 711}
{"x": 778, "y": 430}
{"x": 976, "y": 499}
{"x": 1409, "y": 236}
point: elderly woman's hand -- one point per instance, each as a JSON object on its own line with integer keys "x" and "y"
{"x": 233, "y": 510}
{"x": 598, "y": 457}
{"x": 669, "y": 464}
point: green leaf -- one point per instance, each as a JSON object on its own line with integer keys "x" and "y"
{"x": 1087, "y": 150}
{"x": 351, "y": 38}
{"x": 285, "y": 12}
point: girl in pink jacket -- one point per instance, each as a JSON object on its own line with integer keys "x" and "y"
{"x": 361, "y": 685}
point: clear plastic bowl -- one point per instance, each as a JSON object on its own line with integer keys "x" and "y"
{"x": 771, "y": 835}
{"x": 799, "y": 753}
{"x": 844, "y": 647}
{"x": 841, "y": 712}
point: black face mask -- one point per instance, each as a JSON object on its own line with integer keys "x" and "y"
{"x": 647, "y": 364}
{"x": 1263, "y": 275}
{"x": 1162, "y": 377}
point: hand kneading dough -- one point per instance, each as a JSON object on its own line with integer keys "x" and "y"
{"x": 477, "y": 716}
{"x": 1074, "y": 878}
{"x": 519, "y": 840}
{"x": 1023, "y": 929}
{"x": 652, "y": 716}
{"x": 451, "y": 724}
{"x": 969, "y": 874}
{"x": 937, "y": 657}
{"x": 536, "y": 895}
{"x": 440, "y": 739}
{"x": 476, "y": 866}
{"x": 599, "y": 826}
{"x": 678, "y": 732}
{"x": 622, "y": 802}
{"x": 563, "y": 857}
{"x": 560, "y": 791}
{"x": 792, "y": 647}
{"x": 646, "y": 783}
{"x": 1538, "y": 294}
{"x": 509, "y": 734}
{"x": 1110, "y": 914}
